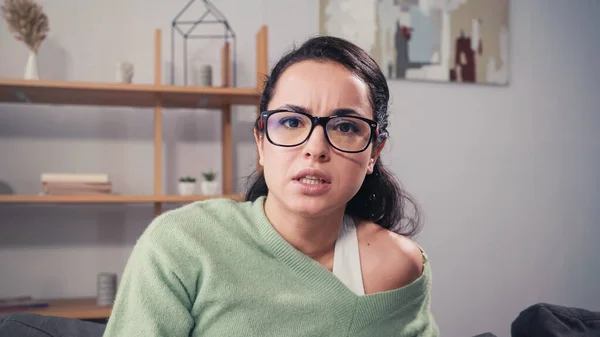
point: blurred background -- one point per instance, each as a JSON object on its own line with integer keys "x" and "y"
{"x": 507, "y": 175}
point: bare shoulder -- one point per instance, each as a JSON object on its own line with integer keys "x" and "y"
{"x": 388, "y": 260}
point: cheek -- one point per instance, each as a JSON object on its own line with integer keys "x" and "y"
{"x": 276, "y": 162}
{"x": 359, "y": 161}
{"x": 352, "y": 169}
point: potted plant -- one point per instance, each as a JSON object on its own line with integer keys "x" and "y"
{"x": 210, "y": 186}
{"x": 28, "y": 23}
{"x": 187, "y": 185}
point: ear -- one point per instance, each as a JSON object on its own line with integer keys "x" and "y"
{"x": 374, "y": 157}
{"x": 258, "y": 138}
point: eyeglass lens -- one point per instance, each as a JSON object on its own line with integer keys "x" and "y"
{"x": 345, "y": 133}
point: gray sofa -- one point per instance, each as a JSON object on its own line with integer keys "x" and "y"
{"x": 34, "y": 325}
{"x": 539, "y": 320}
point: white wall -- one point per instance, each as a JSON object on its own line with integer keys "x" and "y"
{"x": 507, "y": 176}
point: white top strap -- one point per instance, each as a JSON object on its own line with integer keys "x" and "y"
{"x": 346, "y": 257}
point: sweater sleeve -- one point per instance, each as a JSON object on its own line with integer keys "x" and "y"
{"x": 151, "y": 300}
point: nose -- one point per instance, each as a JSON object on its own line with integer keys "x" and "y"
{"x": 316, "y": 146}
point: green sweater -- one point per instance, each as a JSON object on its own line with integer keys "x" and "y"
{"x": 219, "y": 268}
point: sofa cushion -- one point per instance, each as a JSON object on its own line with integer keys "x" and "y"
{"x": 549, "y": 320}
{"x": 34, "y": 325}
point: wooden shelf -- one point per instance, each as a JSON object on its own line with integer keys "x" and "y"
{"x": 153, "y": 95}
{"x": 206, "y": 97}
{"x": 128, "y": 95}
{"x": 79, "y": 308}
{"x": 117, "y": 199}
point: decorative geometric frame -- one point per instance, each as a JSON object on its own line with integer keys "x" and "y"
{"x": 219, "y": 18}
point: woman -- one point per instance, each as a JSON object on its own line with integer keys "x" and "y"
{"x": 321, "y": 245}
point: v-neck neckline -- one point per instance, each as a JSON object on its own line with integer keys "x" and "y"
{"x": 368, "y": 305}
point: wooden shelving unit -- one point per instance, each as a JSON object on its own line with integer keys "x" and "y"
{"x": 110, "y": 199}
{"x": 156, "y": 96}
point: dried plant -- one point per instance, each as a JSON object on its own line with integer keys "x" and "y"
{"x": 27, "y": 21}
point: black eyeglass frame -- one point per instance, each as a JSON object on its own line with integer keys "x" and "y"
{"x": 316, "y": 120}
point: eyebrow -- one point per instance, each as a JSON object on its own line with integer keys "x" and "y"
{"x": 346, "y": 112}
{"x": 295, "y": 108}
{"x": 334, "y": 112}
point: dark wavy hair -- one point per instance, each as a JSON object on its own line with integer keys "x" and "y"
{"x": 380, "y": 198}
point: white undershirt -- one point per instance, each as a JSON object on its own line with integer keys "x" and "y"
{"x": 346, "y": 258}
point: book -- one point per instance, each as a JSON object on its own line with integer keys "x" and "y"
{"x": 92, "y": 187}
{"x": 75, "y": 177}
{"x": 21, "y": 302}
{"x": 72, "y": 188}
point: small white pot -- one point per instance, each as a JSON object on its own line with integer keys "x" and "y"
{"x": 124, "y": 72}
{"x": 186, "y": 188}
{"x": 210, "y": 187}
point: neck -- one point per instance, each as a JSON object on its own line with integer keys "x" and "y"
{"x": 314, "y": 236}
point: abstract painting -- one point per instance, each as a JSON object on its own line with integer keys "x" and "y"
{"x": 430, "y": 40}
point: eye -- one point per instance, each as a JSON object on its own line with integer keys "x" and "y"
{"x": 291, "y": 122}
{"x": 346, "y": 127}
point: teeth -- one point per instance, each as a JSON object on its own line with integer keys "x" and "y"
{"x": 311, "y": 180}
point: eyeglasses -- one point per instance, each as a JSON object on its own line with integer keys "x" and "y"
{"x": 349, "y": 134}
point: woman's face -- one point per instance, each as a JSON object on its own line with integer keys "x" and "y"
{"x": 314, "y": 178}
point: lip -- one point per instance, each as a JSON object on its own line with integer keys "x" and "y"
{"x": 312, "y": 189}
{"x": 315, "y": 173}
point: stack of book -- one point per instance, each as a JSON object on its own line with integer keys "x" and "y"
{"x": 21, "y": 302}
{"x": 75, "y": 184}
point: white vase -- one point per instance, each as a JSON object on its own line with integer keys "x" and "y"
{"x": 210, "y": 187}
{"x": 31, "y": 68}
{"x": 201, "y": 75}
{"x": 186, "y": 188}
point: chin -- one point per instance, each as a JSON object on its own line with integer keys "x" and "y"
{"x": 311, "y": 206}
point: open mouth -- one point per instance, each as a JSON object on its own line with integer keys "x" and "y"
{"x": 312, "y": 180}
